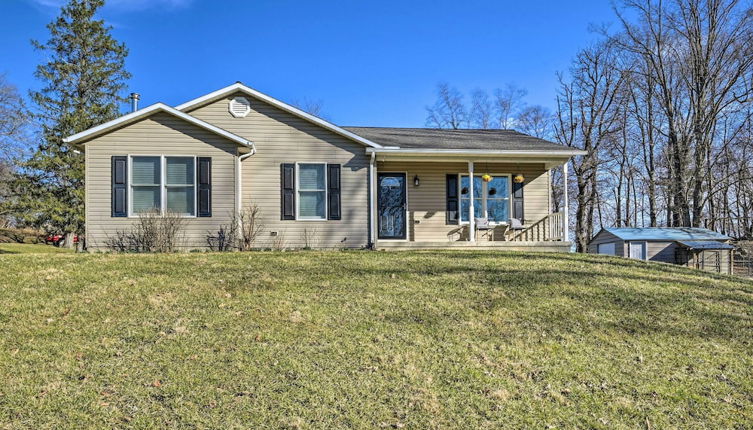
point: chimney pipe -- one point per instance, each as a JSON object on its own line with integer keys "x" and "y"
{"x": 135, "y": 102}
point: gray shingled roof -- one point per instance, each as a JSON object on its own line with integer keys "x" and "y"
{"x": 431, "y": 138}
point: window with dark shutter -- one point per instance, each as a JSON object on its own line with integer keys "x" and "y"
{"x": 204, "y": 188}
{"x": 333, "y": 192}
{"x": 119, "y": 174}
{"x": 287, "y": 191}
{"x": 452, "y": 199}
{"x": 517, "y": 201}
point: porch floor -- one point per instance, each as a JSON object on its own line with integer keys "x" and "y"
{"x": 548, "y": 246}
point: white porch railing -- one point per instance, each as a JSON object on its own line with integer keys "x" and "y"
{"x": 549, "y": 228}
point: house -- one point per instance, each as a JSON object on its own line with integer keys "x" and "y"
{"x": 316, "y": 183}
{"x": 693, "y": 247}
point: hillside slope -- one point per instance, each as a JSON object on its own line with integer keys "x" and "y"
{"x": 368, "y": 339}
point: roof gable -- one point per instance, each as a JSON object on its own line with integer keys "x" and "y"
{"x": 239, "y": 87}
{"x": 87, "y": 135}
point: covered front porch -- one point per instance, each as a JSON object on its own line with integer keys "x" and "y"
{"x": 429, "y": 201}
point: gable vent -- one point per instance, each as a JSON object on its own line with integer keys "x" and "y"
{"x": 239, "y": 107}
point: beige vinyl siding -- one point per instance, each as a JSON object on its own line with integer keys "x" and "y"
{"x": 427, "y": 203}
{"x": 160, "y": 134}
{"x": 281, "y": 137}
{"x": 606, "y": 237}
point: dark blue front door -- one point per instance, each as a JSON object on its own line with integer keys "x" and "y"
{"x": 391, "y": 205}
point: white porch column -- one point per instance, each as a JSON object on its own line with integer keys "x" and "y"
{"x": 471, "y": 211}
{"x": 372, "y": 198}
{"x": 566, "y": 214}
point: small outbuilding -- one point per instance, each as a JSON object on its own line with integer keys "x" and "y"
{"x": 699, "y": 248}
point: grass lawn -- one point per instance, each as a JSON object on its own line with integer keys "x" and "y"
{"x": 28, "y": 248}
{"x": 369, "y": 340}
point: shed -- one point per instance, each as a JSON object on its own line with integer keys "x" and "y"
{"x": 693, "y": 247}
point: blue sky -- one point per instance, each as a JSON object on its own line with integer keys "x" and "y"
{"x": 370, "y": 63}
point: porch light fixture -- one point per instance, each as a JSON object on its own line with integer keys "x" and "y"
{"x": 416, "y": 180}
{"x": 486, "y": 178}
{"x": 519, "y": 178}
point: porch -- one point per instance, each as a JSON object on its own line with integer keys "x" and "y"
{"x": 426, "y": 203}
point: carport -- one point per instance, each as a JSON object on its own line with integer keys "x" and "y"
{"x": 711, "y": 255}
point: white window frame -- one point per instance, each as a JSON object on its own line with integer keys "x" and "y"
{"x": 163, "y": 183}
{"x": 298, "y": 192}
{"x": 484, "y": 188}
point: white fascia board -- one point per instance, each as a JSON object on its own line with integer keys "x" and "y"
{"x": 145, "y": 112}
{"x": 477, "y": 152}
{"x": 277, "y": 103}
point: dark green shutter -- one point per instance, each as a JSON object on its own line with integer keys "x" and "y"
{"x": 517, "y": 201}
{"x": 333, "y": 192}
{"x": 452, "y": 199}
{"x": 287, "y": 191}
{"x": 204, "y": 189}
{"x": 119, "y": 175}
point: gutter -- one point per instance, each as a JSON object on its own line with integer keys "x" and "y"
{"x": 472, "y": 152}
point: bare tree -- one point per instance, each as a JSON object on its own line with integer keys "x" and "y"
{"x": 13, "y": 120}
{"x": 508, "y": 101}
{"x": 586, "y": 119}
{"x": 698, "y": 55}
{"x": 310, "y": 106}
{"x": 536, "y": 121}
{"x": 14, "y": 125}
{"x": 449, "y": 110}
{"x": 482, "y": 110}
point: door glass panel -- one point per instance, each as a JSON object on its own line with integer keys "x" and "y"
{"x": 391, "y": 206}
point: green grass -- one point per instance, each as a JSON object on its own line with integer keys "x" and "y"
{"x": 367, "y": 340}
{"x": 28, "y": 248}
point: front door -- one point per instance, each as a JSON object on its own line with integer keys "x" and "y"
{"x": 391, "y": 205}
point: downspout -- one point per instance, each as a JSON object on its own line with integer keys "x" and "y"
{"x": 239, "y": 179}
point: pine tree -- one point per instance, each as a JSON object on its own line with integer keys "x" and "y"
{"x": 83, "y": 82}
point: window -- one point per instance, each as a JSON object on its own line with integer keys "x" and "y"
{"x": 312, "y": 191}
{"x": 179, "y": 185}
{"x": 491, "y": 199}
{"x": 173, "y": 191}
{"x": 145, "y": 184}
